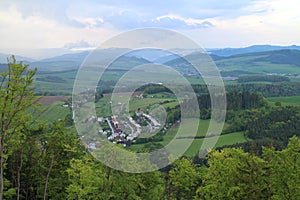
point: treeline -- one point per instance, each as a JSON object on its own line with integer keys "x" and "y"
{"x": 268, "y": 90}
{"x": 154, "y": 88}
{"x": 54, "y": 79}
{"x": 261, "y": 78}
{"x": 278, "y": 124}
{"x": 234, "y": 101}
{"x": 267, "y": 126}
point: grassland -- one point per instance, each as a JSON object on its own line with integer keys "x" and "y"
{"x": 103, "y": 106}
{"x": 65, "y": 86}
{"x": 52, "y": 112}
{"x": 228, "y": 139}
{"x": 285, "y": 101}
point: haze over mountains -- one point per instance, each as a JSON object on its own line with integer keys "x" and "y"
{"x": 256, "y": 59}
{"x": 250, "y": 49}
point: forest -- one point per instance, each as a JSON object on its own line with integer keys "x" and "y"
{"x": 45, "y": 160}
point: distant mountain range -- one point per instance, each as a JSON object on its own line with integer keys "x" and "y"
{"x": 4, "y": 57}
{"x": 256, "y": 59}
{"x": 250, "y": 49}
{"x": 282, "y": 62}
{"x": 150, "y": 55}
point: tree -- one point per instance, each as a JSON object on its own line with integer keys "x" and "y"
{"x": 184, "y": 179}
{"x": 88, "y": 181}
{"x": 285, "y": 170}
{"x": 234, "y": 174}
{"x": 16, "y": 96}
{"x": 58, "y": 148}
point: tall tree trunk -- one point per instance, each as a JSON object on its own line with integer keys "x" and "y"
{"x": 19, "y": 175}
{"x": 1, "y": 165}
{"x": 48, "y": 175}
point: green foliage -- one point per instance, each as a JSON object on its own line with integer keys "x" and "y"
{"x": 16, "y": 96}
{"x": 261, "y": 78}
{"x": 234, "y": 174}
{"x": 279, "y": 123}
{"x": 87, "y": 180}
{"x": 285, "y": 170}
{"x": 184, "y": 179}
{"x": 268, "y": 90}
{"x": 91, "y": 180}
{"x": 54, "y": 79}
{"x": 58, "y": 148}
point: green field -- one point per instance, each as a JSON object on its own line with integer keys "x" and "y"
{"x": 285, "y": 101}
{"x": 52, "y": 112}
{"x": 64, "y": 86}
{"x": 227, "y": 139}
{"x": 195, "y": 146}
{"x": 103, "y": 106}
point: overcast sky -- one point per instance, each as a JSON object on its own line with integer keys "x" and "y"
{"x": 211, "y": 23}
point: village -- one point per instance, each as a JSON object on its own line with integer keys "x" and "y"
{"x": 120, "y": 127}
{"x": 124, "y": 130}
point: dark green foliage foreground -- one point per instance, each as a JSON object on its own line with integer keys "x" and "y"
{"x": 230, "y": 174}
{"x": 41, "y": 160}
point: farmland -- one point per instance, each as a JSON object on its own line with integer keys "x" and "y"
{"x": 227, "y": 139}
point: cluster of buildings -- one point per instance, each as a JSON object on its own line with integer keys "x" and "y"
{"x": 118, "y": 135}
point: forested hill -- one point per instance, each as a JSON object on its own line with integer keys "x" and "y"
{"x": 251, "y": 49}
{"x": 286, "y": 56}
{"x": 277, "y": 62}
{"x": 240, "y": 59}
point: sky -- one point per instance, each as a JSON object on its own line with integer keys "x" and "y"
{"x": 69, "y": 24}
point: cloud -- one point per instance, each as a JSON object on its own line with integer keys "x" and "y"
{"x": 77, "y": 45}
{"x": 128, "y": 14}
{"x": 175, "y": 21}
{"x": 90, "y": 22}
{"x": 125, "y": 20}
{"x": 35, "y": 23}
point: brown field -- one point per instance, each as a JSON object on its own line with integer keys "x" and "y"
{"x": 47, "y": 100}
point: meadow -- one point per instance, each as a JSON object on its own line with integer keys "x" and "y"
{"x": 285, "y": 101}
{"x": 193, "y": 149}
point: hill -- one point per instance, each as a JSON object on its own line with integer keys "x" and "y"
{"x": 3, "y": 58}
{"x": 268, "y": 62}
{"x": 250, "y": 49}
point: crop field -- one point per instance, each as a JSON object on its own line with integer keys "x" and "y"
{"x": 48, "y": 100}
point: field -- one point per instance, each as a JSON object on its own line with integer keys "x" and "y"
{"x": 195, "y": 146}
{"x": 52, "y": 112}
{"x": 286, "y": 101}
{"x": 58, "y": 83}
{"x": 103, "y": 107}
{"x": 227, "y": 139}
{"x": 48, "y": 100}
